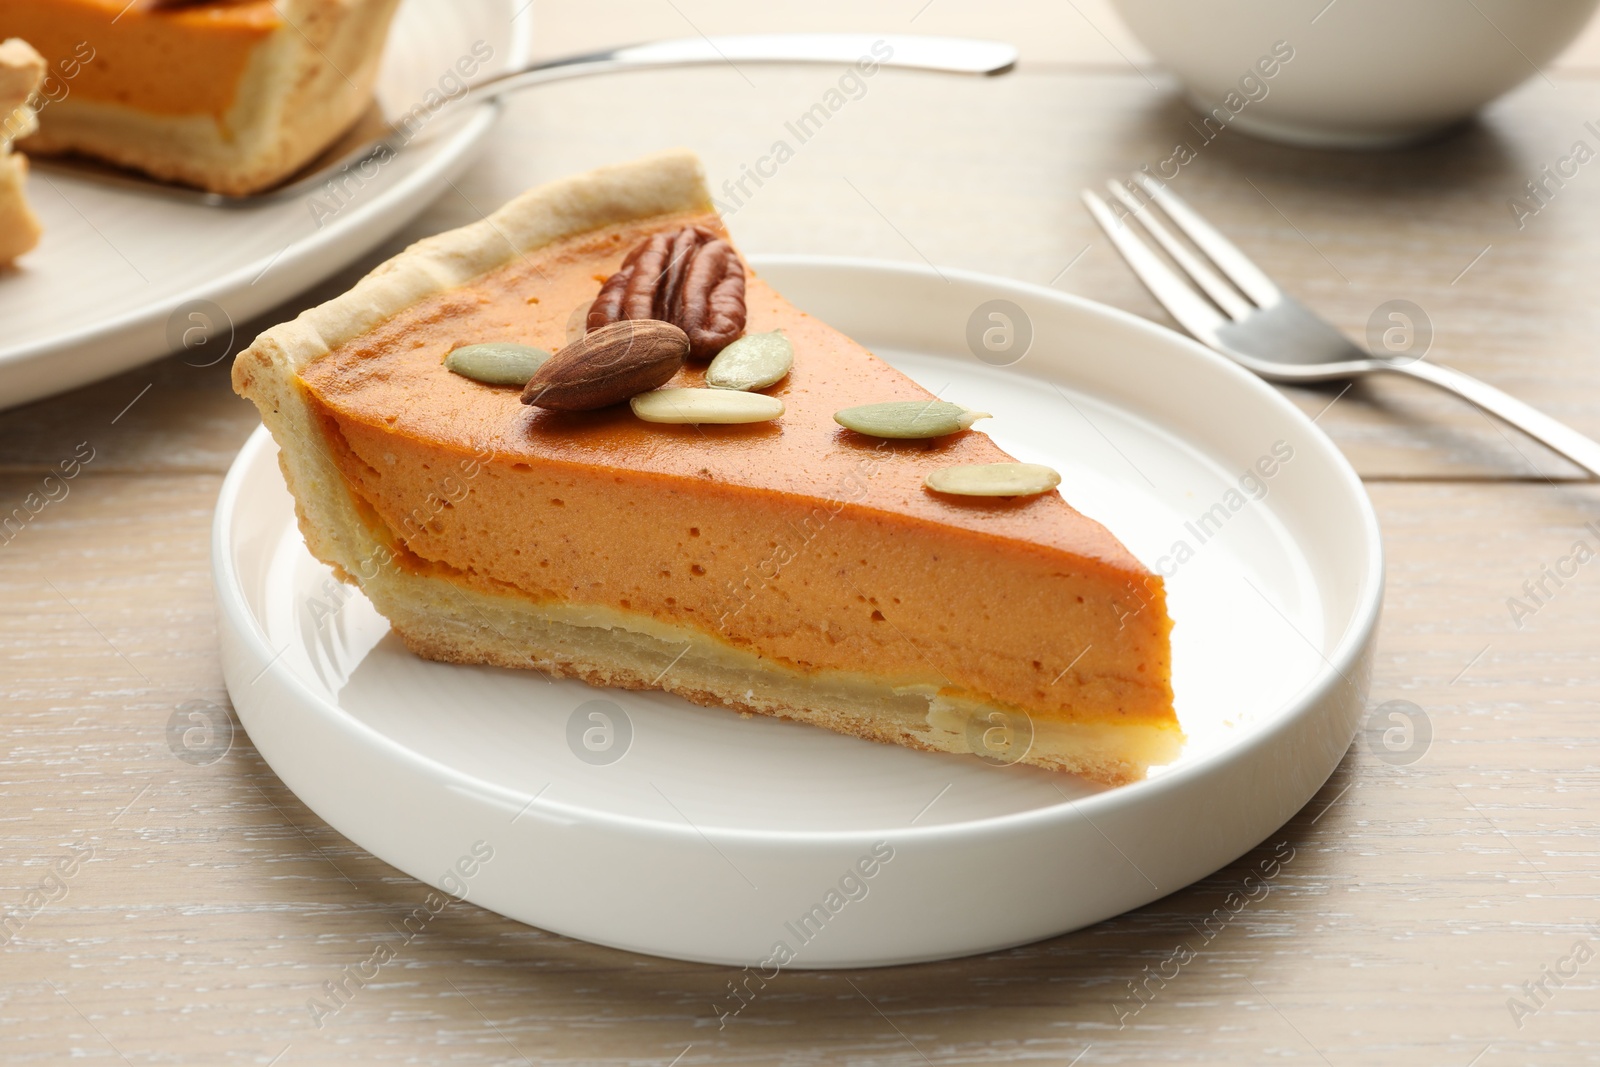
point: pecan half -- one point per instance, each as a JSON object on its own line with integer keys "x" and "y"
{"x": 691, "y": 278}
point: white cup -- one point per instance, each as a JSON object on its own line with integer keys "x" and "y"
{"x": 1351, "y": 73}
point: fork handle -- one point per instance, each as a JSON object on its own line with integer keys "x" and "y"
{"x": 949, "y": 55}
{"x": 1583, "y": 451}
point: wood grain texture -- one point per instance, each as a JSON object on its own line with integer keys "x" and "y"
{"x": 1416, "y": 900}
{"x": 1413, "y": 902}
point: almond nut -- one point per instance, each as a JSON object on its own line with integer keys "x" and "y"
{"x": 608, "y": 365}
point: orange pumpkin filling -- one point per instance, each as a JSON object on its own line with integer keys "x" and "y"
{"x": 796, "y": 540}
{"x": 181, "y": 61}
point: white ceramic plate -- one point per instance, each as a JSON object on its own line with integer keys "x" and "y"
{"x": 713, "y": 835}
{"x": 119, "y": 273}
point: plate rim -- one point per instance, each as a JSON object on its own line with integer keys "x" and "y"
{"x": 1334, "y": 670}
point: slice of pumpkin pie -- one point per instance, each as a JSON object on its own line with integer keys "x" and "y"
{"x": 787, "y": 566}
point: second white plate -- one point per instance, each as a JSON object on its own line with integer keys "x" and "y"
{"x": 698, "y": 834}
{"x": 122, "y": 276}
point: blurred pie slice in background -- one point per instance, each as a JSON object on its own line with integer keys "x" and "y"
{"x": 231, "y": 96}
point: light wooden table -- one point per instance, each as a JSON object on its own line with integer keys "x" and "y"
{"x": 208, "y": 905}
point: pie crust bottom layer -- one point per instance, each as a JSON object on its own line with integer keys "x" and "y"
{"x": 440, "y": 619}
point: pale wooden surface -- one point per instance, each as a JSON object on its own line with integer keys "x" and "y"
{"x": 1419, "y": 898}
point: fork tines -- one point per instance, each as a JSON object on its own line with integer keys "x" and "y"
{"x": 1233, "y": 287}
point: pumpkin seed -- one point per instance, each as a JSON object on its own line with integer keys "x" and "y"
{"x": 698, "y": 406}
{"x": 754, "y": 361}
{"x": 994, "y": 479}
{"x": 496, "y": 363}
{"x": 908, "y": 419}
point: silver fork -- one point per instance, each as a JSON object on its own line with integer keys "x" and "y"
{"x": 1236, "y": 309}
{"x": 947, "y": 55}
